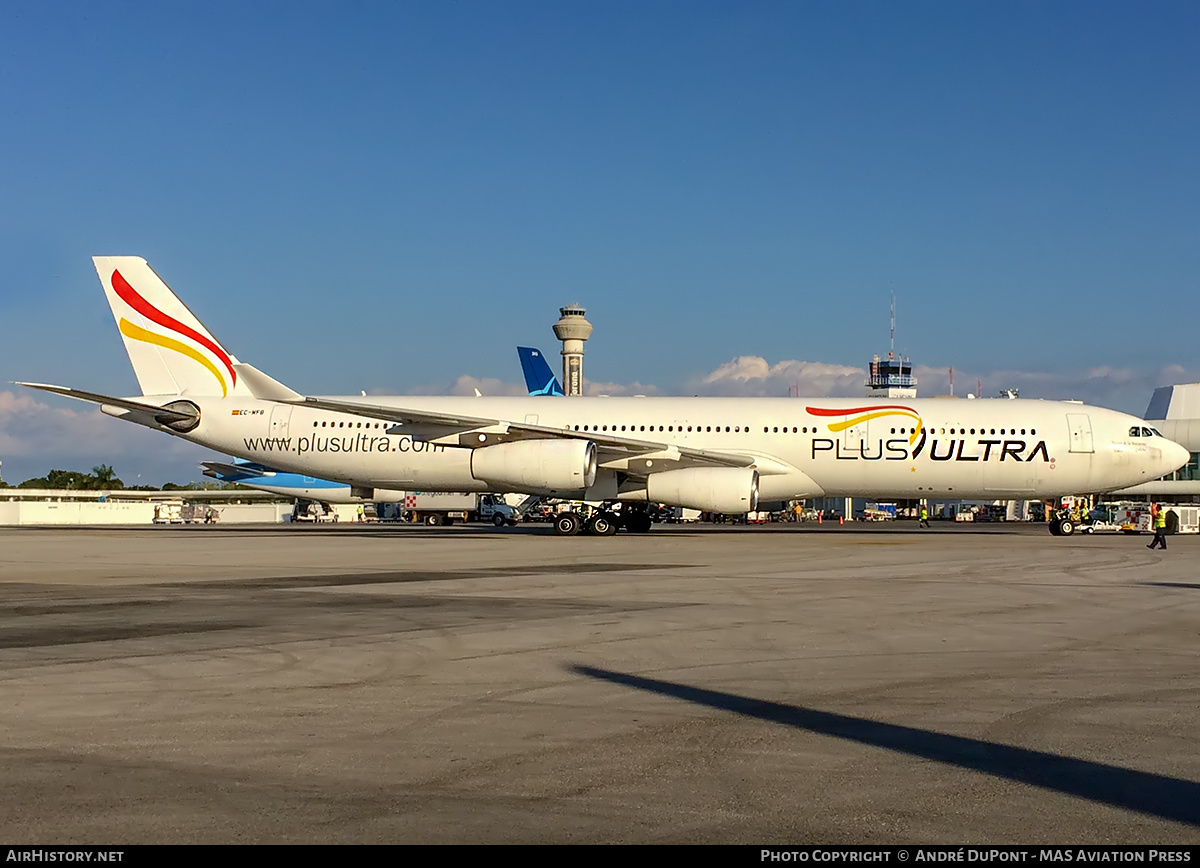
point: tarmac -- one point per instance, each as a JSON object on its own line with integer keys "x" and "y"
{"x": 790, "y": 684}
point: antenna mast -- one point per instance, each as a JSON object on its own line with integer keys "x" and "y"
{"x": 892, "y": 345}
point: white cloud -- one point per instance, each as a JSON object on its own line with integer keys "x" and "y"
{"x": 1126, "y": 389}
{"x": 753, "y": 376}
{"x": 618, "y": 390}
{"x": 466, "y": 385}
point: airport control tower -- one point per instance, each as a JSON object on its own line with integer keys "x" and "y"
{"x": 893, "y": 377}
{"x": 572, "y": 329}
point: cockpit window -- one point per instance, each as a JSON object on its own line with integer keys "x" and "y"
{"x": 1135, "y": 431}
{"x": 1156, "y": 432}
{"x": 1146, "y": 432}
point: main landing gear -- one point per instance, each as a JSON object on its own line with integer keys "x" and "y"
{"x": 602, "y": 522}
{"x": 566, "y": 524}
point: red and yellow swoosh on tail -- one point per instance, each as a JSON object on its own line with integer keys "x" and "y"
{"x": 140, "y": 334}
{"x": 131, "y": 297}
{"x": 858, "y": 415}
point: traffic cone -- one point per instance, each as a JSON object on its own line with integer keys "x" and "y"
{"x": 820, "y": 518}
{"x": 841, "y": 519}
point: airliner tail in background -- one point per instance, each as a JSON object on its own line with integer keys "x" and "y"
{"x": 1175, "y": 410}
{"x": 539, "y": 379}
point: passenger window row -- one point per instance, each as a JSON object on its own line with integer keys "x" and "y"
{"x": 1006, "y": 432}
{"x": 1135, "y": 431}
{"x": 708, "y": 429}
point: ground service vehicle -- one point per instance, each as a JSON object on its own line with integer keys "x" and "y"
{"x": 436, "y": 509}
{"x": 1101, "y": 519}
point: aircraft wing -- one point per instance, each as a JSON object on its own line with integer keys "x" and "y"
{"x": 621, "y": 453}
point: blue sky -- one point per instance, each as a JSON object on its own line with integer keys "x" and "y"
{"x": 419, "y": 187}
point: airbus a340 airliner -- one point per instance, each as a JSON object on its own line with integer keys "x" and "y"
{"x": 713, "y": 454}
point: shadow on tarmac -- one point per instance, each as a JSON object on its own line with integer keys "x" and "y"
{"x": 1147, "y": 793}
{"x": 376, "y": 530}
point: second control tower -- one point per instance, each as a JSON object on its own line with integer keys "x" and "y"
{"x": 572, "y": 329}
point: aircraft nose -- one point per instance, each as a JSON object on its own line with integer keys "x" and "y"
{"x": 1175, "y": 456}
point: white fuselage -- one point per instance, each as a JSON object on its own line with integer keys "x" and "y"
{"x": 930, "y": 448}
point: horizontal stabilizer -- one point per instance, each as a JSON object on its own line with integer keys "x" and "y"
{"x": 160, "y": 414}
{"x": 221, "y": 470}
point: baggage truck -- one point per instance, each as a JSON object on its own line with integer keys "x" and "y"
{"x": 448, "y": 507}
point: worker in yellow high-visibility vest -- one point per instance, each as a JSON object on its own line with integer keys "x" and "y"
{"x": 1160, "y": 528}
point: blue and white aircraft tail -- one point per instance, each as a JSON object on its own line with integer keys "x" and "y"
{"x": 265, "y": 478}
{"x": 539, "y": 379}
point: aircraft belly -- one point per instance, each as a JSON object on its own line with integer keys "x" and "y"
{"x": 787, "y": 486}
{"x": 370, "y": 458}
{"x": 401, "y": 463}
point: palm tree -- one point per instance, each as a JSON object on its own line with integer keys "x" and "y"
{"x": 103, "y": 477}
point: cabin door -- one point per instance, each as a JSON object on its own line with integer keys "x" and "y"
{"x": 1081, "y": 432}
{"x": 281, "y": 416}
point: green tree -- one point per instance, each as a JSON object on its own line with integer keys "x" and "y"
{"x": 103, "y": 477}
{"x": 68, "y": 480}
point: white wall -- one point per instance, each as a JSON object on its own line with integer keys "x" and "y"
{"x": 67, "y": 512}
{"x": 252, "y": 513}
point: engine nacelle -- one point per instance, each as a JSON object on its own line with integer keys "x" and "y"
{"x": 536, "y": 465}
{"x": 728, "y": 490}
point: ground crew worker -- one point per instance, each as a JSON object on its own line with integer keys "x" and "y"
{"x": 1160, "y": 529}
{"x": 924, "y": 516}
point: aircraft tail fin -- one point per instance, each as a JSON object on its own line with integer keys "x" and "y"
{"x": 1175, "y": 402}
{"x": 171, "y": 351}
{"x": 539, "y": 379}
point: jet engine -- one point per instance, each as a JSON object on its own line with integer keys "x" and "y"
{"x": 728, "y": 490}
{"x": 537, "y": 465}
